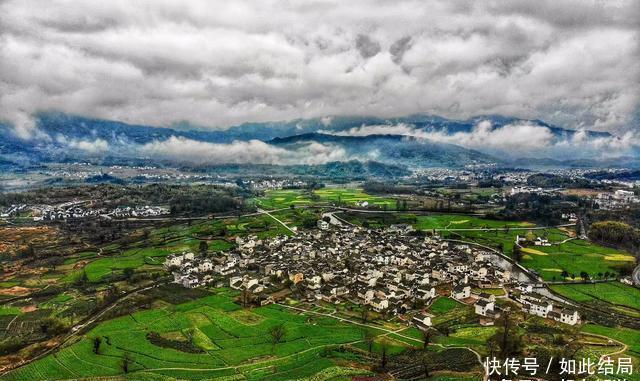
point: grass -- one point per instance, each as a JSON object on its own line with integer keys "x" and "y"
{"x": 454, "y": 221}
{"x": 576, "y": 256}
{"x": 471, "y": 336}
{"x": 573, "y": 256}
{"x": 228, "y": 336}
{"x": 277, "y": 199}
{"x": 443, "y": 305}
{"x": 631, "y": 337}
{"x": 614, "y": 293}
{"x": 490, "y": 291}
{"x": 9, "y": 310}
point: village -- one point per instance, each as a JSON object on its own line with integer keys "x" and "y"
{"x": 392, "y": 272}
{"x": 75, "y": 210}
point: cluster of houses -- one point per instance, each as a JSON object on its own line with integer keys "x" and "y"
{"x": 12, "y": 211}
{"x": 188, "y": 270}
{"x": 536, "y": 304}
{"x": 532, "y": 190}
{"x": 276, "y": 184}
{"x": 48, "y": 213}
{"x": 538, "y": 241}
{"x": 619, "y": 199}
{"x": 391, "y": 272}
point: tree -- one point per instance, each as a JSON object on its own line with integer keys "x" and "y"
{"x": 426, "y": 338}
{"x": 564, "y": 274}
{"x": 517, "y": 254}
{"x": 365, "y": 314}
{"x": 128, "y": 272}
{"x": 54, "y": 262}
{"x": 203, "y": 247}
{"x": 506, "y": 341}
{"x": 369, "y": 339}
{"x": 126, "y": 362}
{"x": 384, "y": 357}
{"x": 82, "y": 280}
{"x": 584, "y": 276}
{"x": 246, "y": 297}
{"x": 277, "y": 334}
{"x": 96, "y": 344}
{"x": 425, "y": 366}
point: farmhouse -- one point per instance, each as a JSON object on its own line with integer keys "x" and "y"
{"x": 423, "y": 320}
{"x": 460, "y": 292}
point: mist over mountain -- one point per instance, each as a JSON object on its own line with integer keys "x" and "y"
{"x": 416, "y": 141}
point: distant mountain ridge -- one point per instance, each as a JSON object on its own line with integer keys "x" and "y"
{"x": 82, "y": 127}
{"x": 391, "y": 149}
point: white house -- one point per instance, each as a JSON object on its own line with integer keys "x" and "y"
{"x": 423, "y": 319}
{"x": 460, "y": 292}
{"x": 540, "y": 308}
{"x": 323, "y": 225}
{"x": 570, "y": 317}
{"x": 378, "y": 304}
{"x": 205, "y": 265}
{"x": 542, "y": 242}
{"x": 484, "y": 307}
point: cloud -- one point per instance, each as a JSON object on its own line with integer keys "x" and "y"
{"x": 216, "y": 63}
{"x": 513, "y": 140}
{"x": 96, "y": 146}
{"x": 23, "y": 126}
{"x": 399, "y": 47}
{"x": 179, "y": 149}
{"x": 366, "y": 46}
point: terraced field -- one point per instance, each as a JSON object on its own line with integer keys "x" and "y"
{"x": 614, "y": 293}
{"x": 224, "y": 340}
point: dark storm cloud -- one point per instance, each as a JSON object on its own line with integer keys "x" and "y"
{"x": 218, "y": 63}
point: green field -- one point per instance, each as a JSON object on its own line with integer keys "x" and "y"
{"x": 469, "y": 336}
{"x": 277, "y": 199}
{"x": 627, "y": 336}
{"x": 227, "y": 340}
{"x": 455, "y": 221}
{"x": 574, "y": 256}
{"x": 443, "y": 305}
{"x": 352, "y": 196}
{"x": 614, "y": 293}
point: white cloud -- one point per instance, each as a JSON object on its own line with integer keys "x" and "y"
{"x": 216, "y": 63}
{"x": 513, "y": 140}
{"x": 180, "y": 149}
{"x": 24, "y": 126}
{"x": 96, "y": 146}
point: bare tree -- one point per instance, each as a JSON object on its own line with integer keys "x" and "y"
{"x": 369, "y": 339}
{"x": 425, "y": 366}
{"x": 384, "y": 357}
{"x": 426, "y": 337}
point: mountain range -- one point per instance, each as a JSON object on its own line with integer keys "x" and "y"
{"x": 417, "y": 141}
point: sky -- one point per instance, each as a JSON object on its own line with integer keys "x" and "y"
{"x": 219, "y": 63}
